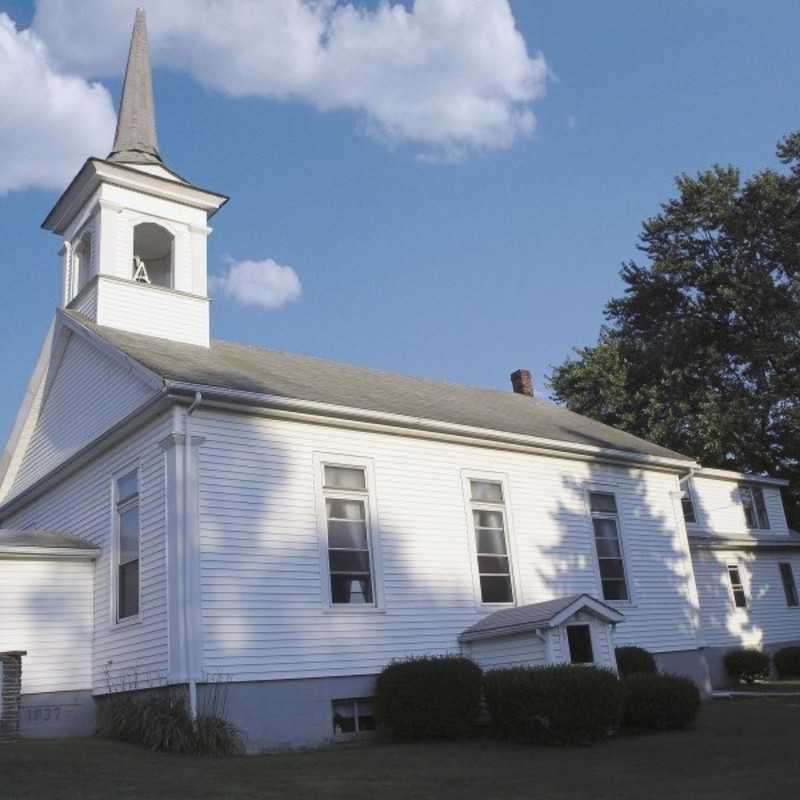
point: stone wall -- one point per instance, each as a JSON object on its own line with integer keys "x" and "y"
{"x": 11, "y": 681}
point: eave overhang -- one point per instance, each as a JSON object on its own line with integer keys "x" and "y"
{"x": 585, "y": 603}
{"x": 70, "y": 553}
{"x": 366, "y": 419}
{"x": 777, "y": 544}
{"x": 97, "y": 171}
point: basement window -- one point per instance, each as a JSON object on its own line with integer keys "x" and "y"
{"x": 353, "y": 716}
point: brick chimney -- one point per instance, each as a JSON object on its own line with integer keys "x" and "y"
{"x": 522, "y": 382}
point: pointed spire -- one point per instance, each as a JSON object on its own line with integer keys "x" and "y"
{"x": 135, "y": 140}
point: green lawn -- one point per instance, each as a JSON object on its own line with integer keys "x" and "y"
{"x": 739, "y": 749}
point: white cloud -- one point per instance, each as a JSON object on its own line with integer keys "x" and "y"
{"x": 50, "y": 121}
{"x": 259, "y": 283}
{"x": 451, "y": 76}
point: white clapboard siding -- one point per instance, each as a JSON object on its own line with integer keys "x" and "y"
{"x": 82, "y": 506}
{"x": 153, "y": 311}
{"x": 767, "y": 619}
{"x": 719, "y": 510}
{"x": 86, "y": 302}
{"x": 46, "y": 609}
{"x": 519, "y": 650}
{"x": 89, "y": 393}
{"x": 263, "y": 610}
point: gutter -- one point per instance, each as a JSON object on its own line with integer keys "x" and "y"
{"x": 710, "y": 543}
{"x": 344, "y": 416}
{"x": 50, "y": 552}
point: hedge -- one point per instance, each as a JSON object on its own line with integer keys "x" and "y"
{"x": 658, "y": 702}
{"x": 747, "y": 664}
{"x": 561, "y": 704}
{"x": 430, "y": 697}
{"x": 787, "y": 662}
{"x": 634, "y": 661}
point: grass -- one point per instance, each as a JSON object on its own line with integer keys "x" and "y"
{"x": 739, "y": 748}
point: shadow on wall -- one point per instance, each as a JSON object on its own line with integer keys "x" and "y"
{"x": 661, "y": 611}
{"x": 723, "y": 624}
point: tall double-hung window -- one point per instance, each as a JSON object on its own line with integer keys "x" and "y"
{"x": 687, "y": 504}
{"x": 350, "y": 558}
{"x": 755, "y": 509}
{"x": 127, "y": 533}
{"x": 789, "y": 585}
{"x": 608, "y": 543}
{"x": 737, "y": 587}
{"x": 491, "y": 541}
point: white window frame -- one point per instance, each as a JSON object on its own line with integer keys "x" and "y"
{"x": 75, "y": 286}
{"x": 134, "y": 619}
{"x": 356, "y": 734}
{"x": 492, "y": 477}
{"x": 729, "y": 565}
{"x": 320, "y": 461}
{"x": 751, "y": 488}
{"x": 613, "y": 489}
{"x": 565, "y": 642}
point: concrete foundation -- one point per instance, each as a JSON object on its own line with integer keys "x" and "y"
{"x": 288, "y": 713}
{"x": 715, "y": 658}
{"x": 57, "y": 714}
{"x": 690, "y": 663}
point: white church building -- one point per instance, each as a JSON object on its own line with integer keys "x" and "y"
{"x": 177, "y": 510}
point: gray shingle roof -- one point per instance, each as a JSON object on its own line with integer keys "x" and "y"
{"x": 12, "y": 537}
{"x": 532, "y": 616}
{"x": 253, "y": 369}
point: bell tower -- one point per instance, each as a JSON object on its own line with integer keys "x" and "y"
{"x": 134, "y": 232}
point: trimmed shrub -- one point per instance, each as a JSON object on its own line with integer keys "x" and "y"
{"x": 430, "y": 697}
{"x": 747, "y": 664}
{"x": 787, "y": 662}
{"x": 634, "y": 661}
{"x": 659, "y": 702}
{"x": 562, "y": 704}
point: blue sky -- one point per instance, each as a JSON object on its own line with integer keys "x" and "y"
{"x": 460, "y": 271}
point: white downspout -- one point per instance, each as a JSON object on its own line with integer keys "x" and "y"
{"x": 187, "y": 616}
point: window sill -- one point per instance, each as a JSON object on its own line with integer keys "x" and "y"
{"x": 128, "y": 622}
{"x": 353, "y": 610}
{"x": 620, "y": 603}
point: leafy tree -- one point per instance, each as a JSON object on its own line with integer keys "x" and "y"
{"x": 702, "y": 353}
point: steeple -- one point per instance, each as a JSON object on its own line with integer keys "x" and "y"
{"x": 135, "y": 139}
{"x": 135, "y": 233}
